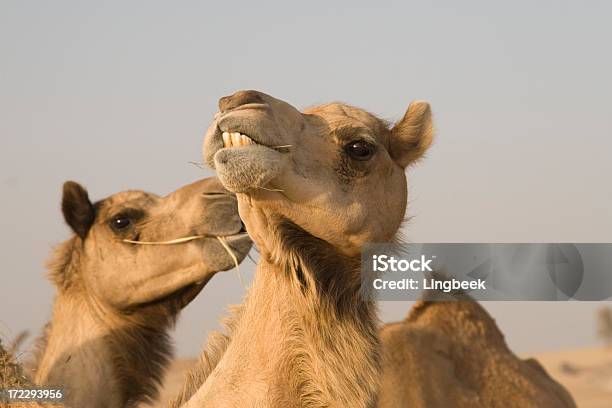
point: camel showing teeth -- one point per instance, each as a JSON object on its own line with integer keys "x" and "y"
{"x": 236, "y": 139}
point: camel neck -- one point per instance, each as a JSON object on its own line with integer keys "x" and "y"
{"x": 318, "y": 333}
{"x": 75, "y": 355}
{"x": 86, "y": 342}
{"x": 304, "y": 336}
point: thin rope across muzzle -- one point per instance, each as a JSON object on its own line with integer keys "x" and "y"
{"x": 183, "y": 240}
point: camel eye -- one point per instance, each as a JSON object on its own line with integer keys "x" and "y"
{"x": 360, "y": 150}
{"x": 120, "y": 222}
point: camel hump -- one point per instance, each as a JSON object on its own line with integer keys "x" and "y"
{"x": 455, "y": 355}
{"x": 458, "y": 315}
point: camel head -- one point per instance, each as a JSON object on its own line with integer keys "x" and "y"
{"x": 125, "y": 275}
{"x": 334, "y": 170}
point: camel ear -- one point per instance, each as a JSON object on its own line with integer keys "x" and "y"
{"x": 412, "y": 136}
{"x": 77, "y": 209}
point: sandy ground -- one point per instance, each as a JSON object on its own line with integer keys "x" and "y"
{"x": 586, "y": 373}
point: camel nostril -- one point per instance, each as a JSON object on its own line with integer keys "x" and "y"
{"x": 238, "y": 99}
{"x": 216, "y": 194}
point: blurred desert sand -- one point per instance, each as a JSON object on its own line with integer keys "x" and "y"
{"x": 586, "y": 373}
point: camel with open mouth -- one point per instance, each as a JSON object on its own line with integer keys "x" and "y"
{"x": 135, "y": 260}
{"x": 312, "y": 189}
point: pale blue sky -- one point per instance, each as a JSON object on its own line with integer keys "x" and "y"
{"x": 117, "y": 95}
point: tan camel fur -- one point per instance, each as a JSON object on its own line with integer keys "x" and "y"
{"x": 107, "y": 343}
{"x": 308, "y": 187}
{"x": 451, "y": 354}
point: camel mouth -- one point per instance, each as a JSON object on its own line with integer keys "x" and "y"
{"x": 237, "y": 236}
{"x": 237, "y": 139}
{"x": 233, "y": 234}
{"x": 246, "y": 158}
{"x": 240, "y": 243}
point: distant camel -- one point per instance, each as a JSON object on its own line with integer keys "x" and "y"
{"x": 312, "y": 189}
{"x": 451, "y": 354}
{"x": 108, "y": 342}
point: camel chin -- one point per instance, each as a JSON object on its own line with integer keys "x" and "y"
{"x": 245, "y": 168}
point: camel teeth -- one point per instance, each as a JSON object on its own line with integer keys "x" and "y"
{"x": 226, "y": 140}
{"x": 236, "y": 139}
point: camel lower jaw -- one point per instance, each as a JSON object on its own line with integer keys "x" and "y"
{"x": 187, "y": 294}
{"x": 245, "y": 168}
{"x": 240, "y": 244}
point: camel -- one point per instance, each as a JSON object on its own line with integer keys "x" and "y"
{"x": 108, "y": 343}
{"x": 450, "y": 353}
{"x": 309, "y": 188}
